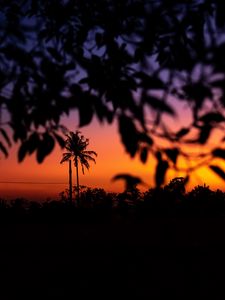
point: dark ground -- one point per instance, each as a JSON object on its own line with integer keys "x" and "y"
{"x": 155, "y": 259}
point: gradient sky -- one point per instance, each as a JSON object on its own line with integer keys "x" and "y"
{"x": 32, "y": 180}
{"x": 112, "y": 159}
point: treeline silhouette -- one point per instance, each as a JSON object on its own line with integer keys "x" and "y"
{"x": 95, "y": 204}
{"x": 159, "y": 244}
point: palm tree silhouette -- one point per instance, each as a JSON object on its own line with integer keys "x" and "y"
{"x": 76, "y": 146}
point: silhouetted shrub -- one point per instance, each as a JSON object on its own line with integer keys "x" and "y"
{"x": 97, "y": 205}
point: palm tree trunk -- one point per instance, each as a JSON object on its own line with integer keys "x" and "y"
{"x": 78, "y": 185}
{"x": 70, "y": 181}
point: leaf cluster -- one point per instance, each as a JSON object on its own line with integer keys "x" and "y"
{"x": 119, "y": 61}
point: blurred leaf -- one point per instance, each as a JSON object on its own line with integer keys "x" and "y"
{"x": 138, "y": 113}
{"x": 144, "y": 137}
{"x": 160, "y": 173}
{"x": 220, "y": 14}
{"x": 139, "y": 54}
{"x": 158, "y": 155}
{"x": 182, "y": 132}
{"x": 76, "y": 90}
{"x": 218, "y": 152}
{"x": 86, "y": 115}
{"x": 28, "y": 146}
{"x": 109, "y": 116}
{"x": 98, "y": 39}
{"x": 129, "y": 134}
{"x": 85, "y": 107}
{"x": 16, "y": 53}
{"x": 45, "y": 147}
{"x": 23, "y": 150}
{"x": 158, "y": 104}
{"x": 218, "y": 171}
{"x": 130, "y": 181}
{"x": 20, "y": 132}
{"x": 152, "y": 45}
{"x": 33, "y": 142}
{"x": 84, "y": 80}
{"x": 59, "y": 139}
{"x": 218, "y": 83}
{"x": 149, "y": 82}
{"x": 144, "y": 155}
{"x": 101, "y": 110}
{"x": 3, "y": 149}
{"x": 197, "y": 92}
{"x": 6, "y": 137}
{"x": 172, "y": 154}
{"x": 204, "y": 134}
{"x": 54, "y": 53}
{"x": 212, "y": 117}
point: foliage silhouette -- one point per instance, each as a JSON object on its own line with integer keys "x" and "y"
{"x": 89, "y": 255}
{"x": 55, "y": 58}
{"x": 97, "y": 205}
{"x": 131, "y": 182}
{"x": 76, "y": 146}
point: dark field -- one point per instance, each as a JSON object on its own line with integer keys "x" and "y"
{"x": 153, "y": 259}
{"x": 161, "y": 244}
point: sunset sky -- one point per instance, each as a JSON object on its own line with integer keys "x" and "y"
{"x": 40, "y": 181}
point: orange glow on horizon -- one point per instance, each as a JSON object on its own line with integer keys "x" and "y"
{"x": 111, "y": 160}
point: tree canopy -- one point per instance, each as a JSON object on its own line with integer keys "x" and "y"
{"x": 133, "y": 62}
{"x": 76, "y": 146}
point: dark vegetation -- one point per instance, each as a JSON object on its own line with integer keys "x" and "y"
{"x": 97, "y": 205}
{"x": 153, "y": 245}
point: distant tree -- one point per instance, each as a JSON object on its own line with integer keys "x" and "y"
{"x": 201, "y": 199}
{"x": 96, "y": 198}
{"x": 76, "y": 146}
{"x": 176, "y": 185}
{"x": 200, "y": 191}
{"x": 158, "y": 54}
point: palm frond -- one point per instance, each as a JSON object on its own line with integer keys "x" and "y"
{"x": 82, "y": 168}
{"x": 84, "y": 163}
{"x": 89, "y": 158}
{"x": 76, "y": 145}
{"x": 66, "y": 157}
{"x": 90, "y": 153}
